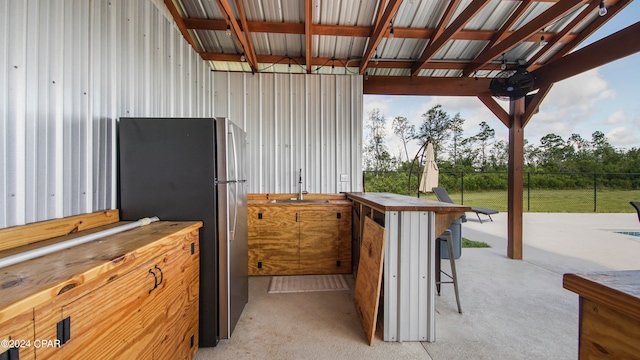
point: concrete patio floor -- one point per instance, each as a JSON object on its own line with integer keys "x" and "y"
{"x": 511, "y": 309}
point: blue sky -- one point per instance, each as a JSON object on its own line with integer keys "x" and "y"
{"x": 605, "y": 99}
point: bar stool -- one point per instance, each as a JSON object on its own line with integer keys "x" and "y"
{"x": 447, "y": 238}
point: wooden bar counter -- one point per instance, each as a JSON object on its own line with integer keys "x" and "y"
{"x": 609, "y": 313}
{"x": 412, "y": 226}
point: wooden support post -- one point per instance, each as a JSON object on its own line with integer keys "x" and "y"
{"x": 516, "y": 165}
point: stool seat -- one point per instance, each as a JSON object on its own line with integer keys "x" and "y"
{"x": 447, "y": 238}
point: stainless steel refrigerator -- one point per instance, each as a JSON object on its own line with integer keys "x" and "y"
{"x": 193, "y": 169}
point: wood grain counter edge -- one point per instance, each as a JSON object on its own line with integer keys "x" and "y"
{"x": 393, "y": 202}
{"x": 50, "y": 290}
{"x": 618, "y": 290}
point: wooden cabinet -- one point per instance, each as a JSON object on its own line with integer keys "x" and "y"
{"x": 609, "y": 313}
{"x": 289, "y": 239}
{"x": 142, "y": 304}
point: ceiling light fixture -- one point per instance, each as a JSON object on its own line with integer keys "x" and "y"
{"x": 543, "y": 42}
{"x": 391, "y": 33}
{"x": 375, "y": 59}
{"x": 603, "y": 9}
{"x": 228, "y": 30}
{"x": 503, "y": 66}
{"x": 242, "y": 58}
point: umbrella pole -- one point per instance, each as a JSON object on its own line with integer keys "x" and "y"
{"x": 422, "y": 149}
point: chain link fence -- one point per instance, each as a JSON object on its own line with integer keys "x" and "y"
{"x": 543, "y": 191}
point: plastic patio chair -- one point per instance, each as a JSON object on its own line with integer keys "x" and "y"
{"x": 636, "y": 205}
{"x": 442, "y": 195}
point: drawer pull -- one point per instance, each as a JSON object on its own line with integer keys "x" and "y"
{"x": 161, "y": 275}
{"x": 155, "y": 280}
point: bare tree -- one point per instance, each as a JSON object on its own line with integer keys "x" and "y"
{"x": 404, "y": 130}
{"x": 376, "y": 155}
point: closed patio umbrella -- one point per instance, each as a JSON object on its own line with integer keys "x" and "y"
{"x": 430, "y": 174}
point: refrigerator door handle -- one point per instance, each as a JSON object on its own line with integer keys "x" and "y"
{"x": 232, "y": 231}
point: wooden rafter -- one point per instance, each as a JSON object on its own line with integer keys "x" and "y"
{"x": 355, "y": 31}
{"x": 584, "y": 34}
{"x": 496, "y": 109}
{"x": 613, "y": 47}
{"x": 439, "y": 65}
{"x": 181, "y": 25}
{"x": 428, "y": 86}
{"x": 378, "y": 32}
{"x": 250, "y": 53}
{"x": 469, "y": 12}
{"x": 501, "y": 34}
{"x": 444, "y": 20}
{"x": 561, "y": 8}
{"x": 533, "y": 105}
{"x": 564, "y": 32}
{"x": 308, "y": 33}
{"x": 238, "y": 34}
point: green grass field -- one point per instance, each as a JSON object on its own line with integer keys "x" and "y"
{"x": 567, "y": 201}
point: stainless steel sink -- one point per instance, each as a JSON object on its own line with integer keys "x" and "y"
{"x": 296, "y": 201}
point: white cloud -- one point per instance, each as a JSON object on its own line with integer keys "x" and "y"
{"x": 617, "y": 117}
{"x": 571, "y": 106}
{"x": 621, "y": 136}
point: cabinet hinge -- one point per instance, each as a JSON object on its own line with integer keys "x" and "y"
{"x": 259, "y": 264}
{"x": 11, "y": 354}
{"x": 338, "y": 215}
{"x": 338, "y": 263}
{"x": 193, "y": 341}
{"x": 64, "y": 330}
{"x": 260, "y": 216}
{"x": 193, "y": 248}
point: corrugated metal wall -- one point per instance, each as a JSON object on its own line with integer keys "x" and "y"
{"x": 71, "y": 68}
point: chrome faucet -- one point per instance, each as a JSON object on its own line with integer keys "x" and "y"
{"x": 300, "y": 182}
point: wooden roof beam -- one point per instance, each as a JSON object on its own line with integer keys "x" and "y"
{"x": 469, "y": 12}
{"x": 238, "y": 34}
{"x": 251, "y": 53}
{"x": 584, "y": 34}
{"x": 561, "y": 8}
{"x": 354, "y": 31}
{"x": 496, "y": 109}
{"x": 308, "y": 33}
{"x": 378, "y": 32}
{"x": 181, "y": 24}
{"x": 613, "y": 47}
{"x": 564, "y": 32}
{"x": 533, "y": 105}
{"x": 428, "y": 86}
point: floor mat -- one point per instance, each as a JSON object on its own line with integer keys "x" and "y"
{"x": 307, "y": 283}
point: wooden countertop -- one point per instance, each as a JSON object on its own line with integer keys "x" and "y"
{"x": 34, "y": 281}
{"x": 395, "y": 202}
{"x": 619, "y": 290}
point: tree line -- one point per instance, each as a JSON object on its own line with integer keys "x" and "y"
{"x": 482, "y": 153}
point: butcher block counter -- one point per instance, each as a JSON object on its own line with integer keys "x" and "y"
{"x": 133, "y": 294}
{"x": 609, "y": 313}
{"x": 412, "y": 225}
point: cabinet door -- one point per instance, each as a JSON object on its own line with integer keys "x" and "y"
{"x": 254, "y": 214}
{"x": 279, "y": 240}
{"x": 345, "y": 239}
{"x": 19, "y": 331}
{"x": 319, "y": 239}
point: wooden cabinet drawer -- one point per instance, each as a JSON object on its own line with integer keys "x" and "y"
{"x": 147, "y": 309}
{"x": 18, "y": 333}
